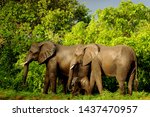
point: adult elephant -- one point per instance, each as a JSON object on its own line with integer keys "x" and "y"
{"x": 57, "y": 59}
{"x": 79, "y": 72}
{"x": 119, "y": 61}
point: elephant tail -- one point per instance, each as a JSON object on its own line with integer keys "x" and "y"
{"x": 133, "y": 81}
{"x": 136, "y": 79}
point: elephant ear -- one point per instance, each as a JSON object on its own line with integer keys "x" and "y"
{"x": 90, "y": 52}
{"x": 47, "y": 49}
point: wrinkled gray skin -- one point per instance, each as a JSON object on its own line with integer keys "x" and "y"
{"x": 57, "y": 59}
{"x": 80, "y": 68}
{"x": 119, "y": 61}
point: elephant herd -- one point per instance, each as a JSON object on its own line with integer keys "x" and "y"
{"x": 82, "y": 66}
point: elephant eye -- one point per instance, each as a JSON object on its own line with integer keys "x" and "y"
{"x": 33, "y": 52}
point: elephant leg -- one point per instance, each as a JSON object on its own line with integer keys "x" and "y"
{"x": 122, "y": 87}
{"x": 53, "y": 79}
{"x": 92, "y": 81}
{"x": 64, "y": 79}
{"x": 46, "y": 83}
{"x": 130, "y": 83}
{"x": 99, "y": 83}
{"x": 96, "y": 76}
{"x": 122, "y": 72}
{"x": 52, "y": 71}
{"x": 121, "y": 81}
{"x": 53, "y": 82}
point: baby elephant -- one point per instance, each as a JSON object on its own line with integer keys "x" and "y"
{"x": 80, "y": 86}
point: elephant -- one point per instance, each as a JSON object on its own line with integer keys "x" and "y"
{"x": 81, "y": 69}
{"x": 80, "y": 86}
{"x": 118, "y": 61}
{"x": 57, "y": 59}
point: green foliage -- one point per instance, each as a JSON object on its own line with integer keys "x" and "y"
{"x": 128, "y": 24}
{"x": 77, "y": 34}
{"x": 24, "y": 22}
{"x": 67, "y": 22}
{"x": 24, "y": 95}
{"x": 35, "y": 77}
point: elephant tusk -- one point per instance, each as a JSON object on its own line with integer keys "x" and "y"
{"x": 25, "y": 62}
{"x": 22, "y": 64}
{"x": 72, "y": 66}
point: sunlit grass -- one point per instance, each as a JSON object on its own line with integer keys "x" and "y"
{"x": 106, "y": 95}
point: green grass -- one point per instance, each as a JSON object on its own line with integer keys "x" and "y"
{"x": 22, "y": 95}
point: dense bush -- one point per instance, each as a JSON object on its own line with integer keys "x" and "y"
{"x": 67, "y": 22}
{"x": 128, "y": 24}
{"x": 23, "y": 22}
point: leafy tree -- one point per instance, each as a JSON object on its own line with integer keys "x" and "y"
{"x": 77, "y": 34}
{"x": 23, "y": 22}
{"x": 128, "y": 24}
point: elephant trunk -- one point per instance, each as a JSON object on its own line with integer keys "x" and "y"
{"x": 26, "y": 66}
{"x": 136, "y": 83}
{"x": 70, "y": 78}
{"x": 29, "y": 59}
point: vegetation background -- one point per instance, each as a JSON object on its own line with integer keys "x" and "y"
{"x": 67, "y": 22}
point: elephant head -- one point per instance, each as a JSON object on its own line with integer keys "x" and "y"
{"x": 76, "y": 86}
{"x": 80, "y": 85}
{"x": 40, "y": 52}
{"x": 82, "y": 58}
